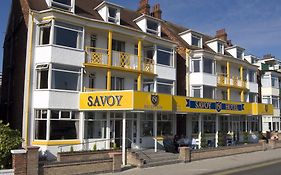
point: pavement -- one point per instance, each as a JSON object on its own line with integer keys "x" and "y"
{"x": 209, "y": 166}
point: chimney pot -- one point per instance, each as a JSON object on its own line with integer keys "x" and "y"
{"x": 144, "y": 7}
{"x": 157, "y": 12}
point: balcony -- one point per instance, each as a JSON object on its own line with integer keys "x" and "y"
{"x": 234, "y": 82}
{"x": 98, "y": 57}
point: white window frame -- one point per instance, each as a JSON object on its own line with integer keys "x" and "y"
{"x": 200, "y": 64}
{"x": 197, "y": 88}
{"x": 197, "y": 37}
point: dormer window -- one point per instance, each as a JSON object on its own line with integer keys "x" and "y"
{"x": 112, "y": 15}
{"x": 109, "y": 12}
{"x": 196, "y": 41}
{"x": 220, "y": 48}
{"x": 62, "y": 4}
{"x": 152, "y": 27}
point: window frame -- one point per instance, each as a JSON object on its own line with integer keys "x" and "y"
{"x": 199, "y": 38}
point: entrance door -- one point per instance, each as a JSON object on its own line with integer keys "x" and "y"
{"x": 181, "y": 125}
{"x": 118, "y": 133}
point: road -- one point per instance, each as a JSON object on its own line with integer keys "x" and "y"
{"x": 267, "y": 168}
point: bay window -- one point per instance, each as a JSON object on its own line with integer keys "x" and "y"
{"x": 42, "y": 76}
{"x": 196, "y": 91}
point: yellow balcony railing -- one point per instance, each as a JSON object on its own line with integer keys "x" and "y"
{"x": 96, "y": 55}
{"x": 148, "y": 65}
{"x": 99, "y": 56}
{"x": 234, "y": 81}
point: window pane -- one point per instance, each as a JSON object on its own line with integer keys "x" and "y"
{"x": 54, "y": 114}
{"x": 164, "y": 128}
{"x": 196, "y": 65}
{"x": 65, "y": 114}
{"x": 66, "y": 2}
{"x": 195, "y": 41}
{"x": 66, "y": 37}
{"x": 42, "y": 79}
{"x": 146, "y": 128}
{"x": 164, "y": 58}
{"x": 45, "y": 35}
{"x": 40, "y": 129}
{"x": 152, "y": 25}
{"x": 197, "y": 93}
{"x": 208, "y": 65}
{"x": 65, "y": 80}
{"x": 95, "y": 129}
{"x": 208, "y": 92}
{"x": 63, "y": 129}
{"x": 166, "y": 89}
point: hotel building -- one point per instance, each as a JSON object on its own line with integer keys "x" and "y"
{"x": 99, "y": 75}
{"x": 270, "y": 76}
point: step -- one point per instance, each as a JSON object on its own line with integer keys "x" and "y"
{"x": 158, "y": 156}
{"x": 160, "y": 163}
{"x": 159, "y": 159}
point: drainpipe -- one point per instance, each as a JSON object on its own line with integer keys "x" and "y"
{"x": 187, "y": 52}
{"x": 27, "y": 102}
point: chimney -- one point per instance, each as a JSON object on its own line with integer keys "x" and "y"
{"x": 221, "y": 34}
{"x": 156, "y": 11}
{"x": 144, "y": 7}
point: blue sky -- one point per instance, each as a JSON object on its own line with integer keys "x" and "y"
{"x": 253, "y": 24}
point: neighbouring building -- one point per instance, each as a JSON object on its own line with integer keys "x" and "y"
{"x": 270, "y": 75}
{"x": 95, "y": 74}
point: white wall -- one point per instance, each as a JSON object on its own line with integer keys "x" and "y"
{"x": 166, "y": 72}
{"x": 58, "y": 54}
{"x": 187, "y": 37}
{"x": 203, "y": 79}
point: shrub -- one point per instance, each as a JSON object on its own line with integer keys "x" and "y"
{"x": 9, "y": 139}
{"x": 204, "y": 143}
{"x": 71, "y": 149}
{"x": 222, "y": 136}
{"x": 94, "y": 147}
{"x": 245, "y": 137}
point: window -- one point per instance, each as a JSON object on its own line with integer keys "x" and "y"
{"x": 44, "y": 33}
{"x": 42, "y": 76}
{"x": 275, "y": 101}
{"x": 266, "y": 100}
{"x": 165, "y": 56}
{"x": 208, "y": 92}
{"x": 224, "y": 95}
{"x": 196, "y": 65}
{"x": 92, "y": 81}
{"x": 196, "y": 40}
{"x": 40, "y": 124}
{"x": 165, "y": 86}
{"x": 196, "y": 91}
{"x": 251, "y": 76}
{"x": 68, "y": 35}
{"x": 63, "y": 4}
{"x": 149, "y": 53}
{"x": 118, "y": 45}
{"x": 195, "y": 126}
{"x": 239, "y": 54}
{"x": 65, "y": 77}
{"x": 220, "y": 48}
{"x": 95, "y": 125}
{"x": 152, "y": 27}
{"x": 164, "y": 125}
{"x": 64, "y": 125}
{"x": 274, "y": 82}
{"x": 117, "y": 83}
{"x": 209, "y": 124}
{"x": 148, "y": 85}
{"x": 223, "y": 69}
{"x": 93, "y": 43}
{"x": 112, "y": 15}
{"x": 208, "y": 66}
{"x": 146, "y": 124}
{"x": 252, "y": 97}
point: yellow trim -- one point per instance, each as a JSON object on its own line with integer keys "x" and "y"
{"x": 228, "y": 94}
{"x": 46, "y": 18}
{"x": 242, "y": 96}
{"x": 28, "y": 79}
{"x": 108, "y": 87}
{"x": 228, "y": 72}
{"x": 56, "y": 142}
{"x": 118, "y": 68}
{"x": 139, "y": 64}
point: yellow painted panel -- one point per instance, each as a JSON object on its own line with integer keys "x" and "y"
{"x": 106, "y": 100}
{"x": 56, "y": 142}
{"x": 262, "y": 109}
{"x": 144, "y": 101}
